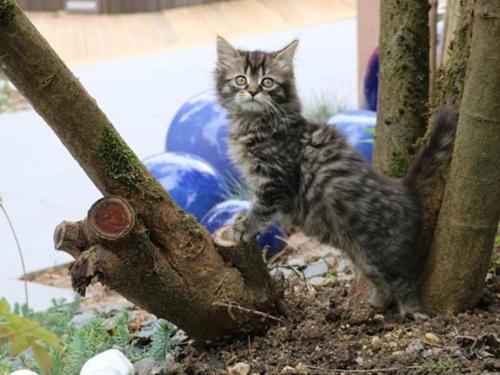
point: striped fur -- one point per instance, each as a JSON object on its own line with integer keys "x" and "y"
{"x": 436, "y": 152}
{"x": 307, "y": 173}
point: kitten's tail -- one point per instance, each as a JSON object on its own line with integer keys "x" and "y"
{"x": 436, "y": 153}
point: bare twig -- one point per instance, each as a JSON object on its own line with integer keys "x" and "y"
{"x": 363, "y": 371}
{"x": 19, "y": 251}
{"x": 247, "y": 310}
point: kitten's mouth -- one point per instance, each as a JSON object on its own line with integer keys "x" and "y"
{"x": 251, "y": 105}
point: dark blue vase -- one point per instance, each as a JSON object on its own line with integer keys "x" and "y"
{"x": 224, "y": 213}
{"x": 358, "y": 127}
{"x": 370, "y": 84}
{"x": 192, "y": 182}
{"x": 200, "y": 127}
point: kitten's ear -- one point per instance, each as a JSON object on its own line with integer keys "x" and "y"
{"x": 286, "y": 54}
{"x": 226, "y": 53}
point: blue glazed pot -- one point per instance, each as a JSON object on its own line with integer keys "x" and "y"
{"x": 370, "y": 84}
{"x": 358, "y": 127}
{"x": 224, "y": 214}
{"x": 192, "y": 182}
{"x": 200, "y": 127}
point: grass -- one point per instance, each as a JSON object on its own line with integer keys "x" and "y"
{"x": 6, "y": 97}
{"x": 323, "y": 105}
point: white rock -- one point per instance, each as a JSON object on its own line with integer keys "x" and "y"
{"x": 110, "y": 362}
{"x": 23, "y": 372}
{"x": 241, "y": 368}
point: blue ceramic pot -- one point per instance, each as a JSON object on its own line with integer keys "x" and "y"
{"x": 370, "y": 84}
{"x": 200, "y": 127}
{"x": 224, "y": 214}
{"x": 192, "y": 182}
{"x": 358, "y": 127}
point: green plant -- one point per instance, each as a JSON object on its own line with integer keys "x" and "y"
{"x": 83, "y": 344}
{"x": 22, "y": 334}
{"x": 442, "y": 367}
{"x": 6, "y": 93}
{"x": 323, "y": 106}
{"x": 163, "y": 340}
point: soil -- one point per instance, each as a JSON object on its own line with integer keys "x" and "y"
{"x": 323, "y": 334}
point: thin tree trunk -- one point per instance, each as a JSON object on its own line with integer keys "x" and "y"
{"x": 449, "y": 89}
{"x": 468, "y": 219}
{"x": 154, "y": 254}
{"x": 404, "y": 83}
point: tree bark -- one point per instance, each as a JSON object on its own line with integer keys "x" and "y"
{"x": 449, "y": 89}
{"x": 468, "y": 219}
{"x": 404, "y": 83}
{"x": 163, "y": 261}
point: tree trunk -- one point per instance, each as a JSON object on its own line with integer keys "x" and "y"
{"x": 404, "y": 83}
{"x": 449, "y": 88}
{"x": 469, "y": 215}
{"x": 147, "y": 249}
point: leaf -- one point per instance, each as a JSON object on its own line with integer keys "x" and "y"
{"x": 18, "y": 345}
{"x": 42, "y": 357}
{"x": 47, "y": 337}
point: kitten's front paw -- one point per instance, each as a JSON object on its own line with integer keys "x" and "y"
{"x": 240, "y": 232}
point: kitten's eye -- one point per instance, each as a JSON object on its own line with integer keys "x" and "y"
{"x": 240, "y": 80}
{"x": 267, "y": 83}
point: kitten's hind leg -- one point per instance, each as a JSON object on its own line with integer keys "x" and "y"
{"x": 381, "y": 297}
{"x": 406, "y": 294}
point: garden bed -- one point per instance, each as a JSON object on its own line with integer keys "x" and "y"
{"x": 321, "y": 334}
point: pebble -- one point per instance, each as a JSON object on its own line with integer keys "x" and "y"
{"x": 398, "y": 353}
{"x": 111, "y": 361}
{"x": 80, "y": 320}
{"x": 359, "y": 361}
{"x": 393, "y": 344}
{"x": 431, "y": 337}
{"x": 241, "y": 368}
{"x": 302, "y": 368}
{"x": 378, "y": 317}
{"x": 415, "y": 346}
{"x": 376, "y": 343}
{"x": 288, "y": 370}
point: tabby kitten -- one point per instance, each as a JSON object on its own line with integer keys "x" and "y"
{"x": 308, "y": 173}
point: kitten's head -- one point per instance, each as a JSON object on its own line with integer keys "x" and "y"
{"x": 256, "y": 82}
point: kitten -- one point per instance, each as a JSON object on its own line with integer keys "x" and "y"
{"x": 307, "y": 173}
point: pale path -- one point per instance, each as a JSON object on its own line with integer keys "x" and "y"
{"x": 81, "y": 39}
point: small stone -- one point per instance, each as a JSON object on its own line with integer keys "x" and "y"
{"x": 241, "y": 368}
{"x": 376, "y": 343}
{"x": 393, "y": 344}
{"x": 288, "y": 370}
{"x": 420, "y": 317}
{"x": 111, "y": 361}
{"x": 302, "y": 368}
{"x": 431, "y": 337}
{"x": 378, "y": 318}
{"x": 144, "y": 366}
{"x": 415, "y": 346}
{"x": 80, "y": 320}
{"x": 359, "y": 361}
{"x": 398, "y": 353}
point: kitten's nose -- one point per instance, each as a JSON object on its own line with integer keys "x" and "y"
{"x": 253, "y": 90}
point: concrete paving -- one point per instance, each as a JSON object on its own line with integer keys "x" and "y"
{"x": 42, "y": 185}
